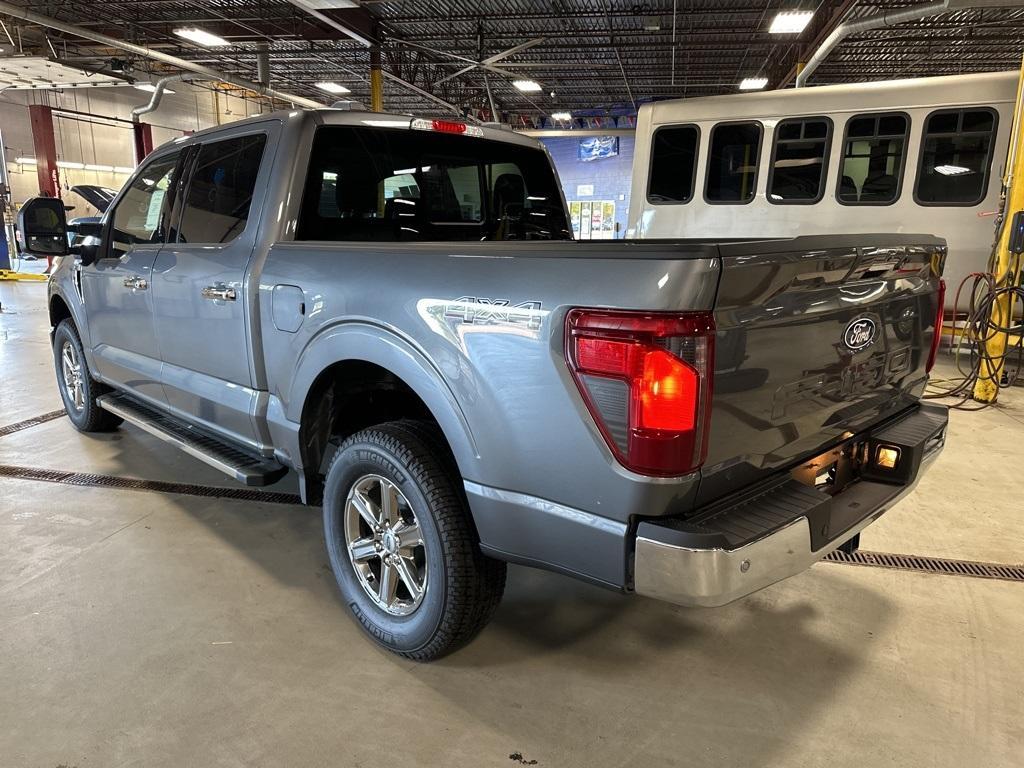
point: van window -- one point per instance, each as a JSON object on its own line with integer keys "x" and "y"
{"x": 956, "y": 154}
{"x": 873, "y": 155}
{"x": 673, "y": 164}
{"x": 216, "y": 205}
{"x": 385, "y": 185}
{"x": 799, "y": 157}
{"x": 733, "y": 158}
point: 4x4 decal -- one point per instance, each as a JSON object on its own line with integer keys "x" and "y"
{"x": 477, "y": 310}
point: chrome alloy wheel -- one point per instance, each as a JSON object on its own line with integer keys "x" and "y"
{"x": 385, "y": 545}
{"x": 71, "y": 368}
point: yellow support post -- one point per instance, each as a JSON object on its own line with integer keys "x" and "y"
{"x": 1007, "y": 266}
{"x": 376, "y": 81}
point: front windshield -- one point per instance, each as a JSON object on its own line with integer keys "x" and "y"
{"x": 384, "y": 184}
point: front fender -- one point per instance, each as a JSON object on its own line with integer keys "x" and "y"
{"x": 62, "y": 286}
{"x": 385, "y": 347}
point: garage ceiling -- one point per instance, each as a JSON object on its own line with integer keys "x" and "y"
{"x": 603, "y": 55}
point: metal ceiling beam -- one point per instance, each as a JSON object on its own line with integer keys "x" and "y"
{"x": 46, "y": 21}
{"x": 329, "y": 21}
{"x": 332, "y": 22}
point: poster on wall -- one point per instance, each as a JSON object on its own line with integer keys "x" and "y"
{"x": 598, "y": 147}
{"x": 592, "y": 219}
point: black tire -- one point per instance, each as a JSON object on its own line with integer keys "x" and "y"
{"x": 463, "y": 586}
{"x": 88, "y": 417}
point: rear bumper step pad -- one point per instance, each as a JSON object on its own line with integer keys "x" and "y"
{"x": 732, "y": 551}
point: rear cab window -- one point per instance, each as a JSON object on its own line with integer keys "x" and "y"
{"x": 673, "y": 169}
{"x": 874, "y": 153}
{"x": 374, "y": 184}
{"x": 734, "y": 153}
{"x": 799, "y": 158}
{"x": 956, "y": 155}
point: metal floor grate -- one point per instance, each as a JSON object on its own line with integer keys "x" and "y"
{"x": 969, "y": 568}
{"x": 134, "y": 484}
{"x": 972, "y": 568}
{"x": 35, "y": 421}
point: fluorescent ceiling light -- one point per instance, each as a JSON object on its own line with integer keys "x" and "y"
{"x": 561, "y": 116}
{"x": 72, "y": 166}
{"x": 149, "y": 88}
{"x": 331, "y": 87}
{"x": 952, "y": 170}
{"x": 753, "y": 83}
{"x": 25, "y": 160}
{"x": 790, "y": 22}
{"x": 527, "y": 86}
{"x": 201, "y": 37}
{"x": 103, "y": 168}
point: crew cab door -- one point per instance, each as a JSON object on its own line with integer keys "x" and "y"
{"x": 199, "y": 283}
{"x": 117, "y": 287}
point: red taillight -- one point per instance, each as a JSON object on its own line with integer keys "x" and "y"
{"x": 937, "y": 338}
{"x": 646, "y": 379}
{"x": 668, "y": 392}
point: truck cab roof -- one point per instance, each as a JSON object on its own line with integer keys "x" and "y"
{"x": 380, "y": 120}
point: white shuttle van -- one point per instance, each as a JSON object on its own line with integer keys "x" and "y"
{"x": 919, "y": 156}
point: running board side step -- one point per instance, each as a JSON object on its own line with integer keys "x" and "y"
{"x": 245, "y": 467}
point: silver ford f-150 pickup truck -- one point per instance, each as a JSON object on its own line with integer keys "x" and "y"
{"x": 394, "y": 308}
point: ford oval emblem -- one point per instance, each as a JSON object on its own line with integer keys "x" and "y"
{"x": 860, "y": 333}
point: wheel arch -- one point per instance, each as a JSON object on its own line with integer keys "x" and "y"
{"x": 358, "y": 375}
{"x": 59, "y": 311}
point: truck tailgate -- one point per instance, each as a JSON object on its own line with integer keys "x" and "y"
{"x": 817, "y": 338}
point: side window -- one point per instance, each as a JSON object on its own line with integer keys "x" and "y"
{"x": 732, "y": 162}
{"x": 799, "y": 157}
{"x": 874, "y": 150}
{"x": 673, "y": 164}
{"x": 216, "y": 204}
{"x": 956, "y": 154}
{"x": 139, "y": 213}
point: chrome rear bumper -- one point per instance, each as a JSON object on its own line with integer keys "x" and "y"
{"x": 695, "y": 576}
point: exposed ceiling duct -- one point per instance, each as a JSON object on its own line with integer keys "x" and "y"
{"x": 886, "y": 19}
{"x": 159, "y": 88}
{"x": 208, "y": 73}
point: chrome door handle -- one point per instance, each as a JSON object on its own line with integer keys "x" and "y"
{"x": 219, "y": 293}
{"x": 135, "y": 283}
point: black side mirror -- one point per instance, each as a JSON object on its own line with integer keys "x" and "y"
{"x": 43, "y": 227}
{"x": 1017, "y": 233}
{"x": 86, "y": 243}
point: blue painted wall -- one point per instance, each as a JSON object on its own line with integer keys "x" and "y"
{"x": 610, "y": 176}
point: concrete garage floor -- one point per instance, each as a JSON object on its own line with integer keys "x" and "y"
{"x": 148, "y": 629}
